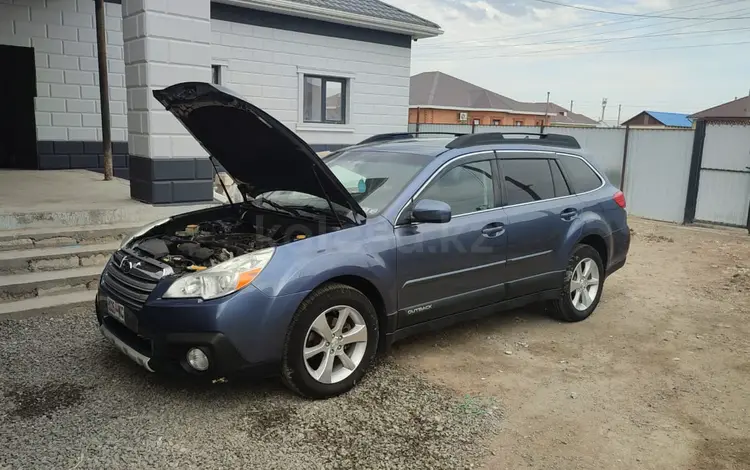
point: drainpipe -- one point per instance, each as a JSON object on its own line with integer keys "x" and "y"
{"x": 101, "y": 49}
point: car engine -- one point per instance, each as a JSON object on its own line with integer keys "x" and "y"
{"x": 204, "y": 245}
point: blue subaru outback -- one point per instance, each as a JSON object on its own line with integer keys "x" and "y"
{"x": 322, "y": 264}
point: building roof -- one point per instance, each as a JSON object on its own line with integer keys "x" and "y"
{"x": 440, "y": 90}
{"x": 736, "y": 109}
{"x": 372, "y": 14}
{"x": 671, "y": 119}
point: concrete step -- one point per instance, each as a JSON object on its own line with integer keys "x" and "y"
{"x": 55, "y": 259}
{"x": 44, "y": 237}
{"x": 47, "y": 305}
{"x": 15, "y": 287}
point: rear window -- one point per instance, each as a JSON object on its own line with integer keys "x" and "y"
{"x": 581, "y": 177}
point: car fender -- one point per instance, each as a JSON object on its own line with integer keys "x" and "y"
{"x": 590, "y": 223}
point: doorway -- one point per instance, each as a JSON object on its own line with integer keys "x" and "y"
{"x": 18, "y": 120}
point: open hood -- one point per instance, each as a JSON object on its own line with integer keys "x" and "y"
{"x": 254, "y": 148}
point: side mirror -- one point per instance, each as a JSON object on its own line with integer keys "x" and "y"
{"x": 431, "y": 211}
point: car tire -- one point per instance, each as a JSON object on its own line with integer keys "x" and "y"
{"x": 574, "y": 304}
{"x": 305, "y": 367}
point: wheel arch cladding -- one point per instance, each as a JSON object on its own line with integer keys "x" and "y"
{"x": 370, "y": 291}
{"x": 598, "y": 243}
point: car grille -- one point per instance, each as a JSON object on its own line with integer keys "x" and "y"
{"x": 132, "y": 277}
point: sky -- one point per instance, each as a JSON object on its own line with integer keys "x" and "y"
{"x": 525, "y": 48}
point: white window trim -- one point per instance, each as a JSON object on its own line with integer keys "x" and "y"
{"x": 321, "y": 126}
{"x": 223, "y": 71}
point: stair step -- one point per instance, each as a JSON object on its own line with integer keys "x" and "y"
{"x": 64, "y": 236}
{"x": 55, "y": 259}
{"x": 48, "y": 305}
{"x": 15, "y": 287}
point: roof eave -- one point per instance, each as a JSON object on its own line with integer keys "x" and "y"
{"x": 289, "y": 7}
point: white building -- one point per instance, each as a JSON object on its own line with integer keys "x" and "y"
{"x": 334, "y": 71}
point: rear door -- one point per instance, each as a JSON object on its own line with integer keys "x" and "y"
{"x": 459, "y": 265}
{"x": 540, "y": 210}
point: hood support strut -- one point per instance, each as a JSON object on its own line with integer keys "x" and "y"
{"x": 226, "y": 191}
{"x": 328, "y": 199}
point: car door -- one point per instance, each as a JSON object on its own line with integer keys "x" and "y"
{"x": 444, "y": 268}
{"x": 540, "y": 211}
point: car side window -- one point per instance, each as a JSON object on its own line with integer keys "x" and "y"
{"x": 561, "y": 186}
{"x": 466, "y": 188}
{"x": 580, "y": 175}
{"x": 527, "y": 180}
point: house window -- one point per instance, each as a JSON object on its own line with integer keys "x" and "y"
{"x": 325, "y": 99}
{"x": 496, "y": 122}
{"x": 216, "y": 74}
{"x": 518, "y": 123}
{"x": 539, "y": 123}
{"x": 476, "y": 122}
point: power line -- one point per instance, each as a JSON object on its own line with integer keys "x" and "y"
{"x": 685, "y": 8}
{"x": 706, "y": 20}
{"x": 551, "y": 2}
{"x": 690, "y": 46}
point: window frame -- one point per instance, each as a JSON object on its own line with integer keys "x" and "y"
{"x": 568, "y": 179}
{"x": 480, "y": 156}
{"x": 325, "y": 79}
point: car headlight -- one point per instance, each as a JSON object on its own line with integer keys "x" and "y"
{"x": 142, "y": 231}
{"x": 222, "y": 279}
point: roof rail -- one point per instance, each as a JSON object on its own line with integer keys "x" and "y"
{"x": 405, "y": 135}
{"x": 557, "y": 140}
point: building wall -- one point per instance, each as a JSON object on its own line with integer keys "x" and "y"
{"x": 486, "y": 118}
{"x": 266, "y": 65}
{"x": 67, "y": 105}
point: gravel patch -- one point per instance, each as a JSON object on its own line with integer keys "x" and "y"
{"x": 69, "y": 400}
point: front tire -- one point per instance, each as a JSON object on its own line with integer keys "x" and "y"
{"x": 582, "y": 285}
{"x": 331, "y": 342}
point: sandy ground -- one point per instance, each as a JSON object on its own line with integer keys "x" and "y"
{"x": 657, "y": 378}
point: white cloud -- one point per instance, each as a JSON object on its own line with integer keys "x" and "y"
{"x": 524, "y": 48}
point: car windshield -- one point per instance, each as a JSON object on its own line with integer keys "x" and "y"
{"x": 373, "y": 178}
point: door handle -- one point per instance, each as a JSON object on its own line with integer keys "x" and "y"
{"x": 569, "y": 214}
{"x": 493, "y": 230}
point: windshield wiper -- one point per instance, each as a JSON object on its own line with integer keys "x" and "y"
{"x": 277, "y": 206}
{"x": 317, "y": 210}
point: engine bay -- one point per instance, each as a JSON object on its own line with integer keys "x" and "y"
{"x": 200, "y": 246}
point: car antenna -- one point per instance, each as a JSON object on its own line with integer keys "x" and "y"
{"x": 328, "y": 199}
{"x": 226, "y": 191}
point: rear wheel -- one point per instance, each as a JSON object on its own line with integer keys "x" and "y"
{"x": 331, "y": 342}
{"x": 582, "y": 285}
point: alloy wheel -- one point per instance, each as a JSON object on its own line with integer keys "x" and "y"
{"x": 584, "y": 284}
{"x": 335, "y": 344}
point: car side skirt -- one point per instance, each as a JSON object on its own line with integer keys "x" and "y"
{"x": 468, "y": 315}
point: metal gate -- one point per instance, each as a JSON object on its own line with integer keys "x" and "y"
{"x": 724, "y": 188}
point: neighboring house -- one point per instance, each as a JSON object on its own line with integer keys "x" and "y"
{"x": 439, "y": 98}
{"x": 650, "y": 119}
{"x": 737, "y": 110}
{"x": 334, "y": 71}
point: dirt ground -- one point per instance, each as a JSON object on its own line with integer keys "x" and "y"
{"x": 657, "y": 378}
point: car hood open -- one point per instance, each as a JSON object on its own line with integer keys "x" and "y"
{"x": 254, "y": 148}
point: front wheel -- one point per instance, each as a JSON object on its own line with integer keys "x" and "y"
{"x": 331, "y": 342}
{"x": 582, "y": 285}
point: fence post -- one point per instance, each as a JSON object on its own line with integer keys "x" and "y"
{"x": 694, "y": 178}
{"x": 473, "y": 126}
{"x": 624, "y": 158}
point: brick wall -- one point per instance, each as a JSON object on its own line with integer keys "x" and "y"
{"x": 486, "y": 118}
{"x": 63, "y": 36}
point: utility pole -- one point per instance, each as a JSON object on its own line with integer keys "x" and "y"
{"x": 619, "y": 109}
{"x": 571, "y": 106}
{"x": 604, "y": 107}
{"x": 101, "y": 49}
{"x": 544, "y": 119}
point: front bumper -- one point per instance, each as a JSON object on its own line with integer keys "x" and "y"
{"x": 242, "y": 333}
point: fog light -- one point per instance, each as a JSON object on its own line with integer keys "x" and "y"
{"x": 197, "y": 359}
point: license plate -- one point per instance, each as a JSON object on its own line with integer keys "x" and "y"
{"x": 116, "y": 310}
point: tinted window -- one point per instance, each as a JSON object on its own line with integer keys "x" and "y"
{"x": 466, "y": 188}
{"x": 580, "y": 175}
{"x": 561, "y": 187}
{"x": 527, "y": 180}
